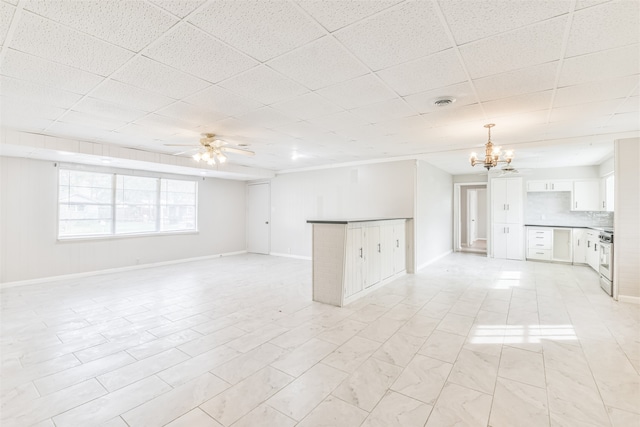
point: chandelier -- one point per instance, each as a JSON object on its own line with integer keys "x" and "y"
{"x": 492, "y": 155}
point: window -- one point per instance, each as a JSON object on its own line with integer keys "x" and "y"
{"x": 98, "y": 204}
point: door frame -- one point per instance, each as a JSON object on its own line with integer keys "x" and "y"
{"x": 457, "y": 218}
{"x": 471, "y": 236}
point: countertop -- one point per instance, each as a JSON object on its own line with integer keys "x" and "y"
{"x": 609, "y": 229}
{"x": 347, "y": 221}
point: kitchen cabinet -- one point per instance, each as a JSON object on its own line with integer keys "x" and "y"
{"x": 506, "y": 200}
{"x": 606, "y": 193}
{"x": 352, "y": 258}
{"x": 549, "y": 244}
{"x": 507, "y": 241}
{"x": 506, "y": 214}
{"x": 579, "y": 246}
{"x": 549, "y": 186}
{"x": 585, "y": 195}
{"x": 593, "y": 242}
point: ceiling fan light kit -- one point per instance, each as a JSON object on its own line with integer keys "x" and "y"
{"x": 493, "y": 155}
{"x": 212, "y": 149}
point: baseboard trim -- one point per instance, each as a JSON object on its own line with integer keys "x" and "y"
{"x": 431, "y": 261}
{"x": 112, "y": 270}
{"x": 632, "y": 300}
{"x": 306, "y": 258}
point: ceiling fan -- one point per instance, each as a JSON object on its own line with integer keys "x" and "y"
{"x": 212, "y": 150}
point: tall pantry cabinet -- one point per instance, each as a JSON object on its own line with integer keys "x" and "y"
{"x": 506, "y": 214}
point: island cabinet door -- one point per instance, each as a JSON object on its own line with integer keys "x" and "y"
{"x": 353, "y": 274}
{"x": 388, "y": 245}
{"x": 372, "y": 256}
{"x": 399, "y": 248}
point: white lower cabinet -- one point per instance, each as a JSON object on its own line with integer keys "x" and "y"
{"x": 593, "y": 254}
{"x": 374, "y": 252}
{"x": 507, "y": 241}
{"x": 579, "y": 246}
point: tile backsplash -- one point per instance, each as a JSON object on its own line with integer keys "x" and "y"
{"x": 554, "y": 208}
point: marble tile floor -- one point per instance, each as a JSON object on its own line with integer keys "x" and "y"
{"x": 236, "y": 341}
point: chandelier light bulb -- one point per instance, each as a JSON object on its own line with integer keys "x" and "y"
{"x": 222, "y": 158}
{"x": 197, "y": 157}
{"x": 206, "y": 156}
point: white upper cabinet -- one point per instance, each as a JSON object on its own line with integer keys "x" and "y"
{"x": 606, "y": 193}
{"x": 506, "y": 200}
{"x": 586, "y": 195}
{"x": 549, "y": 186}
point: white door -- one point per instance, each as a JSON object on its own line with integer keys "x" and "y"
{"x": 499, "y": 200}
{"x": 258, "y": 218}
{"x": 387, "y": 243}
{"x": 399, "y": 250}
{"x": 354, "y": 263}
{"x": 514, "y": 200}
{"x": 500, "y": 241}
{"x": 472, "y": 216}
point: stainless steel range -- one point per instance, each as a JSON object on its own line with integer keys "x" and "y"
{"x": 606, "y": 261}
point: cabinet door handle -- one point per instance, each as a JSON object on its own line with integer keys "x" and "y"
{"x": 546, "y": 186}
{"x": 588, "y": 244}
{"x": 378, "y": 247}
{"x": 504, "y": 207}
{"x": 507, "y": 230}
{"x": 360, "y": 252}
{"x": 397, "y": 243}
{"x": 578, "y": 242}
{"x": 541, "y": 253}
{"x": 576, "y": 204}
{"x": 508, "y": 206}
{"x": 602, "y": 205}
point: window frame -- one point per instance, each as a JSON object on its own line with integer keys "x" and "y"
{"x": 112, "y": 234}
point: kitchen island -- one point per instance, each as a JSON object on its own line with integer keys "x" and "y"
{"x": 352, "y": 258}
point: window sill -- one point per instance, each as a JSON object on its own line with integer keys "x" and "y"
{"x": 125, "y": 236}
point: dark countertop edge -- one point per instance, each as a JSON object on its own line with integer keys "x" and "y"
{"x": 571, "y": 226}
{"x": 347, "y": 221}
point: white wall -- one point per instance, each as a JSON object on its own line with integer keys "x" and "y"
{"x": 381, "y": 190}
{"x": 434, "y": 213}
{"x": 28, "y": 211}
{"x": 626, "y": 273}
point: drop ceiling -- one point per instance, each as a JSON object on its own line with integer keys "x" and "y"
{"x": 313, "y": 83}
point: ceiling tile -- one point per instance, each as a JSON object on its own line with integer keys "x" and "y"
{"x": 25, "y": 108}
{"x": 299, "y": 129}
{"x": 307, "y": 107}
{"x": 63, "y": 45}
{"x": 191, "y": 114}
{"x": 129, "y": 24}
{"x": 319, "y": 64}
{"x": 28, "y": 67}
{"x": 190, "y": 50}
{"x": 424, "y": 101}
{"x": 131, "y": 96}
{"x": 338, "y": 121}
{"x": 34, "y": 92}
{"x": 518, "y": 104}
{"x": 621, "y": 20}
{"x": 517, "y": 82}
{"x": 581, "y": 4}
{"x": 521, "y": 48}
{"x": 398, "y": 35}
{"x": 180, "y": 8}
{"x": 148, "y": 74}
{"x": 221, "y": 100}
{"x": 629, "y": 105}
{"x": 360, "y": 91}
{"x": 264, "y": 85}
{"x": 177, "y": 125}
{"x": 584, "y": 111}
{"x": 13, "y": 2}
{"x": 384, "y": 110}
{"x": 262, "y": 29}
{"x": 602, "y": 65}
{"x": 91, "y": 120}
{"x": 108, "y": 110}
{"x": 623, "y": 122}
{"x": 267, "y": 117}
{"x": 337, "y": 14}
{"x": 147, "y": 133}
{"x": 432, "y": 72}
{"x": 595, "y": 91}
{"x": 464, "y": 113}
{"x": 474, "y": 20}
{"x": 6, "y": 14}
{"x": 81, "y": 132}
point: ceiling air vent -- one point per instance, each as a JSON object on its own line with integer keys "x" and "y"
{"x": 444, "y": 101}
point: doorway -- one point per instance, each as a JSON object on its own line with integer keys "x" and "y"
{"x": 258, "y": 218}
{"x": 470, "y": 225}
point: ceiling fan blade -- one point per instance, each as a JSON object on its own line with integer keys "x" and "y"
{"x": 238, "y": 151}
{"x": 181, "y": 145}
